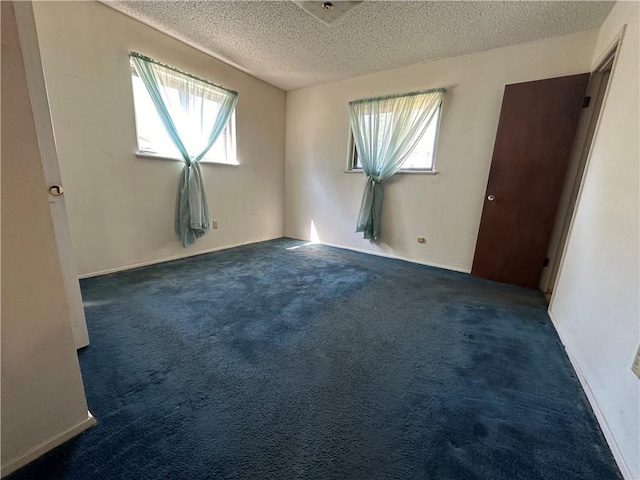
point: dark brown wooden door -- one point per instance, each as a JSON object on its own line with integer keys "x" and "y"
{"x": 537, "y": 126}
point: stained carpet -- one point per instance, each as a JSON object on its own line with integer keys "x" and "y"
{"x": 281, "y": 360}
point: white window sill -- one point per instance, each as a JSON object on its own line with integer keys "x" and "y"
{"x": 410, "y": 172}
{"x": 173, "y": 159}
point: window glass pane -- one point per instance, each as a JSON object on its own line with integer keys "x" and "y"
{"x": 224, "y": 148}
{"x": 422, "y": 156}
{"x": 153, "y": 138}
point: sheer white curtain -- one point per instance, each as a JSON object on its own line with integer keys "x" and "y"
{"x": 194, "y": 112}
{"x": 386, "y": 130}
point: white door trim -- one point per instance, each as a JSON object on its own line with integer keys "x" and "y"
{"x": 613, "y": 49}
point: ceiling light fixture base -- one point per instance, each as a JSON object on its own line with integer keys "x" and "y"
{"x": 327, "y": 12}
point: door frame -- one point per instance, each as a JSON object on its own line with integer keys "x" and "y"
{"x": 573, "y": 188}
{"x": 49, "y": 157}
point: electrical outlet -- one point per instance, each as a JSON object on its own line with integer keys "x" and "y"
{"x": 421, "y": 240}
{"x": 636, "y": 364}
{"x": 214, "y": 223}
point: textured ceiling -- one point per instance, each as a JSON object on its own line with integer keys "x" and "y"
{"x": 285, "y": 46}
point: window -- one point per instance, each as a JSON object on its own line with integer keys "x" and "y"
{"x": 422, "y": 158}
{"x": 153, "y": 139}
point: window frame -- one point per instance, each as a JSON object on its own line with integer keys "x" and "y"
{"x": 352, "y": 155}
{"x": 229, "y": 129}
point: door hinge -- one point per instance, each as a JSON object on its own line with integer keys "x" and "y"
{"x": 546, "y": 262}
{"x": 586, "y": 102}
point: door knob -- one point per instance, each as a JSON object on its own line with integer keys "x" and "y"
{"x": 56, "y": 190}
{"x": 491, "y": 198}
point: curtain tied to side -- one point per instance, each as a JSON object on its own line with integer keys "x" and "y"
{"x": 194, "y": 112}
{"x": 386, "y": 130}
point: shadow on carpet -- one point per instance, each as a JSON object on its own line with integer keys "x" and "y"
{"x": 282, "y": 360}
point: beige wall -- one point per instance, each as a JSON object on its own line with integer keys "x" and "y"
{"x": 42, "y": 396}
{"x": 121, "y": 207}
{"x": 595, "y": 306}
{"x": 445, "y": 208}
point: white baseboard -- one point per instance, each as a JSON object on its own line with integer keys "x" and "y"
{"x": 625, "y": 469}
{"x": 43, "y": 448}
{"x": 225, "y": 247}
{"x": 387, "y": 255}
{"x": 169, "y": 259}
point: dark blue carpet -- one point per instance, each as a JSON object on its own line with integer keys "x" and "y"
{"x": 282, "y": 361}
